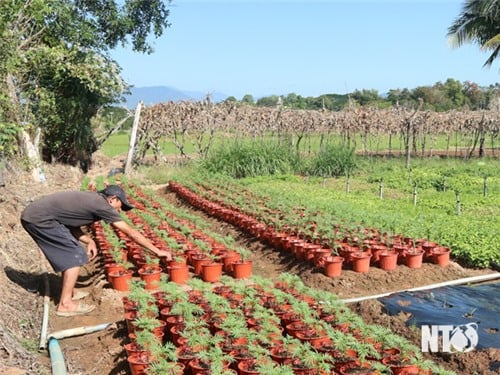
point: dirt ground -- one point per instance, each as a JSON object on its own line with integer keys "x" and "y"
{"x": 25, "y": 278}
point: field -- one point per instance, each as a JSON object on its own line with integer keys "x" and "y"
{"x": 23, "y": 282}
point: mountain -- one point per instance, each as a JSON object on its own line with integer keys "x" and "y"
{"x": 158, "y": 94}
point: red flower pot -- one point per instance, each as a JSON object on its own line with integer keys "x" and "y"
{"x": 138, "y": 363}
{"x": 333, "y": 265}
{"x": 388, "y": 260}
{"x": 228, "y": 259}
{"x": 242, "y": 269}
{"x": 414, "y": 257}
{"x": 360, "y": 262}
{"x": 198, "y": 260}
{"x": 248, "y": 367}
{"x": 441, "y": 255}
{"x": 151, "y": 276}
{"x": 178, "y": 274}
{"x": 211, "y": 272}
{"x": 120, "y": 280}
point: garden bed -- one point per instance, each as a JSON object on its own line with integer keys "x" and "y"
{"x": 80, "y": 352}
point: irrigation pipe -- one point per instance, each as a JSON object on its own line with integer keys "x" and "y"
{"x": 56, "y": 358}
{"x": 46, "y": 308}
{"x": 78, "y": 331}
{"x": 55, "y": 353}
{"x": 473, "y": 279}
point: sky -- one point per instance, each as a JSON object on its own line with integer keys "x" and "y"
{"x": 306, "y": 47}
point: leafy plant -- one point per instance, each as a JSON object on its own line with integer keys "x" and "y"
{"x": 146, "y": 323}
{"x": 164, "y": 360}
{"x": 145, "y": 301}
{"x": 187, "y": 310}
{"x": 213, "y": 358}
{"x": 244, "y": 253}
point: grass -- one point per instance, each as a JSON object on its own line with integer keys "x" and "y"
{"x": 119, "y": 143}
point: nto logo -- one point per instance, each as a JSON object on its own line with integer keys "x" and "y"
{"x": 462, "y": 338}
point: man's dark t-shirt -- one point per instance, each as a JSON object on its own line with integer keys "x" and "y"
{"x": 71, "y": 209}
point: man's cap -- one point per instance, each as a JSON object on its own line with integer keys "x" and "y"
{"x": 119, "y": 193}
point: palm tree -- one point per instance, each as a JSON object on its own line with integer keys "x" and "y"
{"x": 479, "y": 22}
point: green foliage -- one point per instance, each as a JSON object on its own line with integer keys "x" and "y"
{"x": 269, "y": 158}
{"x": 55, "y": 56}
{"x": 471, "y": 236}
{"x": 333, "y": 161}
{"x": 8, "y": 138}
{"x": 242, "y": 160}
{"x": 478, "y": 22}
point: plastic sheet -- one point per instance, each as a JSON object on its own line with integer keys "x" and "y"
{"x": 453, "y": 305}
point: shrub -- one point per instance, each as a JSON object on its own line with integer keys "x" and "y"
{"x": 333, "y": 161}
{"x": 249, "y": 160}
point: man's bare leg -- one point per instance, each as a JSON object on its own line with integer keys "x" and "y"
{"x": 69, "y": 278}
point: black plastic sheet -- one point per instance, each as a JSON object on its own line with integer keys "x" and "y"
{"x": 453, "y": 305}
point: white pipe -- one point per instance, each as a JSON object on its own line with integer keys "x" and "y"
{"x": 46, "y": 308}
{"x": 45, "y": 323}
{"x": 473, "y": 279}
{"x": 78, "y": 331}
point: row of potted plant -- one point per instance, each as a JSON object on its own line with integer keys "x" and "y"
{"x": 260, "y": 328}
{"x": 331, "y": 253}
{"x": 196, "y": 254}
{"x": 153, "y": 306}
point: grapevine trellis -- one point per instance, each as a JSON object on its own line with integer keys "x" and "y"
{"x": 467, "y": 133}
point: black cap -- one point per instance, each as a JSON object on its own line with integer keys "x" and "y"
{"x": 119, "y": 193}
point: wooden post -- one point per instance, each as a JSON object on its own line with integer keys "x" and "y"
{"x": 133, "y": 136}
{"x": 458, "y": 203}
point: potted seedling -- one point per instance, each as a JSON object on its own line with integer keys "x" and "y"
{"x": 141, "y": 298}
{"x": 164, "y": 361}
{"x": 211, "y": 360}
{"x": 242, "y": 268}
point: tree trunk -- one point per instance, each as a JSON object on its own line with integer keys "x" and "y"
{"x": 30, "y": 149}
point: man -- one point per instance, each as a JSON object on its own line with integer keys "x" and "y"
{"x": 54, "y": 222}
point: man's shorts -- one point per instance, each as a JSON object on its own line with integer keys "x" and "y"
{"x": 60, "y": 247}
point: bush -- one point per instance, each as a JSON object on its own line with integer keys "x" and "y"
{"x": 333, "y": 161}
{"x": 249, "y": 160}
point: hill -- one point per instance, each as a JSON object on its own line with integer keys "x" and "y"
{"x": 158, "y": 94}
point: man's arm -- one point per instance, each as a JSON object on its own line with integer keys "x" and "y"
{"x": 138, "y": 238}
{"x": 83, "y": 237}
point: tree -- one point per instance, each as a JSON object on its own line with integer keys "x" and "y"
{"x": 247, "y": 99}
{"x": 455, "y": 92}
{"x": 268, "y": 101}
{"x": 55, "y": 69}
{"x": 475, "y": 97}
{"x": 231, "y": 99}
{"x": 478, "y": 22}
{"x": 366, "y": 97}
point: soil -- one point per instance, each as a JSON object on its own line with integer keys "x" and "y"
{"x": 27, "y": 282}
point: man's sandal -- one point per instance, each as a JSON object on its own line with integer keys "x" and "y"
{"x": 80, "y": 294}
{"x": 82, "y": 309}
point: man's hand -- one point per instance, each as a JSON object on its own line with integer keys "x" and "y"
{"x": 164, "y": 254}
{"x": 91, "y": 250}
